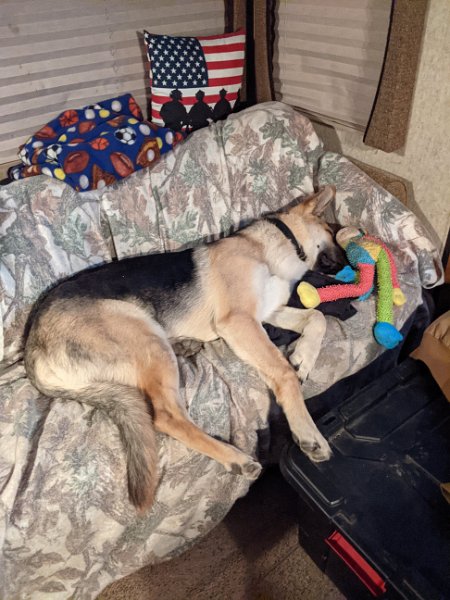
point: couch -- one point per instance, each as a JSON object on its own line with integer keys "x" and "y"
{"x": 67, "y": 526}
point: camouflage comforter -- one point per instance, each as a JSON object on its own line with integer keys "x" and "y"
{"x": 67, "y": 528}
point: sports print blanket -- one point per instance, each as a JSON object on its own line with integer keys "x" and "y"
{"x": 67, "y": 528}
{"x": 92, "y": 147}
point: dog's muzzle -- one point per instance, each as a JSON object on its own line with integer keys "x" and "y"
{"x": 330, "y": 261}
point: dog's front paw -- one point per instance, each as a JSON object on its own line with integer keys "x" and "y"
{"x": 316, "y": 448}
{"x": 315, "y": 451}
{"x": 302, "y": 365}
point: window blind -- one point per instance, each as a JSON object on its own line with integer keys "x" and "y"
{"x": 66, "y": 54}
{"x": 328, "y": 56}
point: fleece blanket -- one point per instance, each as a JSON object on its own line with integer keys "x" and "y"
{"x": 92, "y": 147}
{"x": 67, "y": 528}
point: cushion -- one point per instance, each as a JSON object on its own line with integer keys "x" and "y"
{"x": 194, "y": 80}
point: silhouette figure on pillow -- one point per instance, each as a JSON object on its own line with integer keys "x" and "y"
{"x": 223, "y": 108}
{"x": 173, "y": 113}
{"x": 200, "y": 114}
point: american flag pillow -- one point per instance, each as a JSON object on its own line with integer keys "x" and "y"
{"x": 194, "y": 80}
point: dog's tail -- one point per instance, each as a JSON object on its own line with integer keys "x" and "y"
{"x": 127, "y": 408}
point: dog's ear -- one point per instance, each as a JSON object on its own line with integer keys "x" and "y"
{"x": 317, "y": 203}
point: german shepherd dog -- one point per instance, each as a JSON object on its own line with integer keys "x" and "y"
{"x": 104, "y": 336}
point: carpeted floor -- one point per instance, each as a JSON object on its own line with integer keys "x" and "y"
{"x": 252, "y": 555}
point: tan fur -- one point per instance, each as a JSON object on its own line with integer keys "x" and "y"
{"x": 243, "y": 281}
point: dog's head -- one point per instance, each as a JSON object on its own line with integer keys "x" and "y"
{"x": 317, "y": 237}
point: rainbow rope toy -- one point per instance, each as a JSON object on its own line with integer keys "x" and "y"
{"x": 368, "y": 255}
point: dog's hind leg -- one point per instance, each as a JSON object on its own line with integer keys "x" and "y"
{"x": 159, "y": 380}
{"x": 312, "y": 325}
{"x": 249, "y": 341}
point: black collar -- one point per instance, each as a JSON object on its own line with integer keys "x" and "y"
{"x": 290, "y": 236}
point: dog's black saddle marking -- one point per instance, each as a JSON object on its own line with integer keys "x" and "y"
{"x": 159, "y": 280}
{"x": 290, "y": 236}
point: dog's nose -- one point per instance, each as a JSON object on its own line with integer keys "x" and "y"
{"x": 331, "y": 261}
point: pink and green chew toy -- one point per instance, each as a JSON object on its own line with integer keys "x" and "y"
{"x": 368, "y": 255}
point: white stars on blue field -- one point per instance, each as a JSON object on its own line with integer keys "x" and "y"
{"x": 177, "y": 62}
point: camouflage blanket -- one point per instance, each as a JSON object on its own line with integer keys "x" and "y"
{"x": 67, "y": 528}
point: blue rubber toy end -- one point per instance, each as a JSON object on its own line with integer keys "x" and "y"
{"x": 387, "y": 335}
{"x": 346, "y": 275}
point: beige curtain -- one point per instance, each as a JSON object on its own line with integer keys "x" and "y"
{"x": 328, "y": 56}
{"x": 65, "y": 54}
{"x": 388, "y": 124}
{"x": 257, "y": 17}
{"x": 236, "y": 18}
